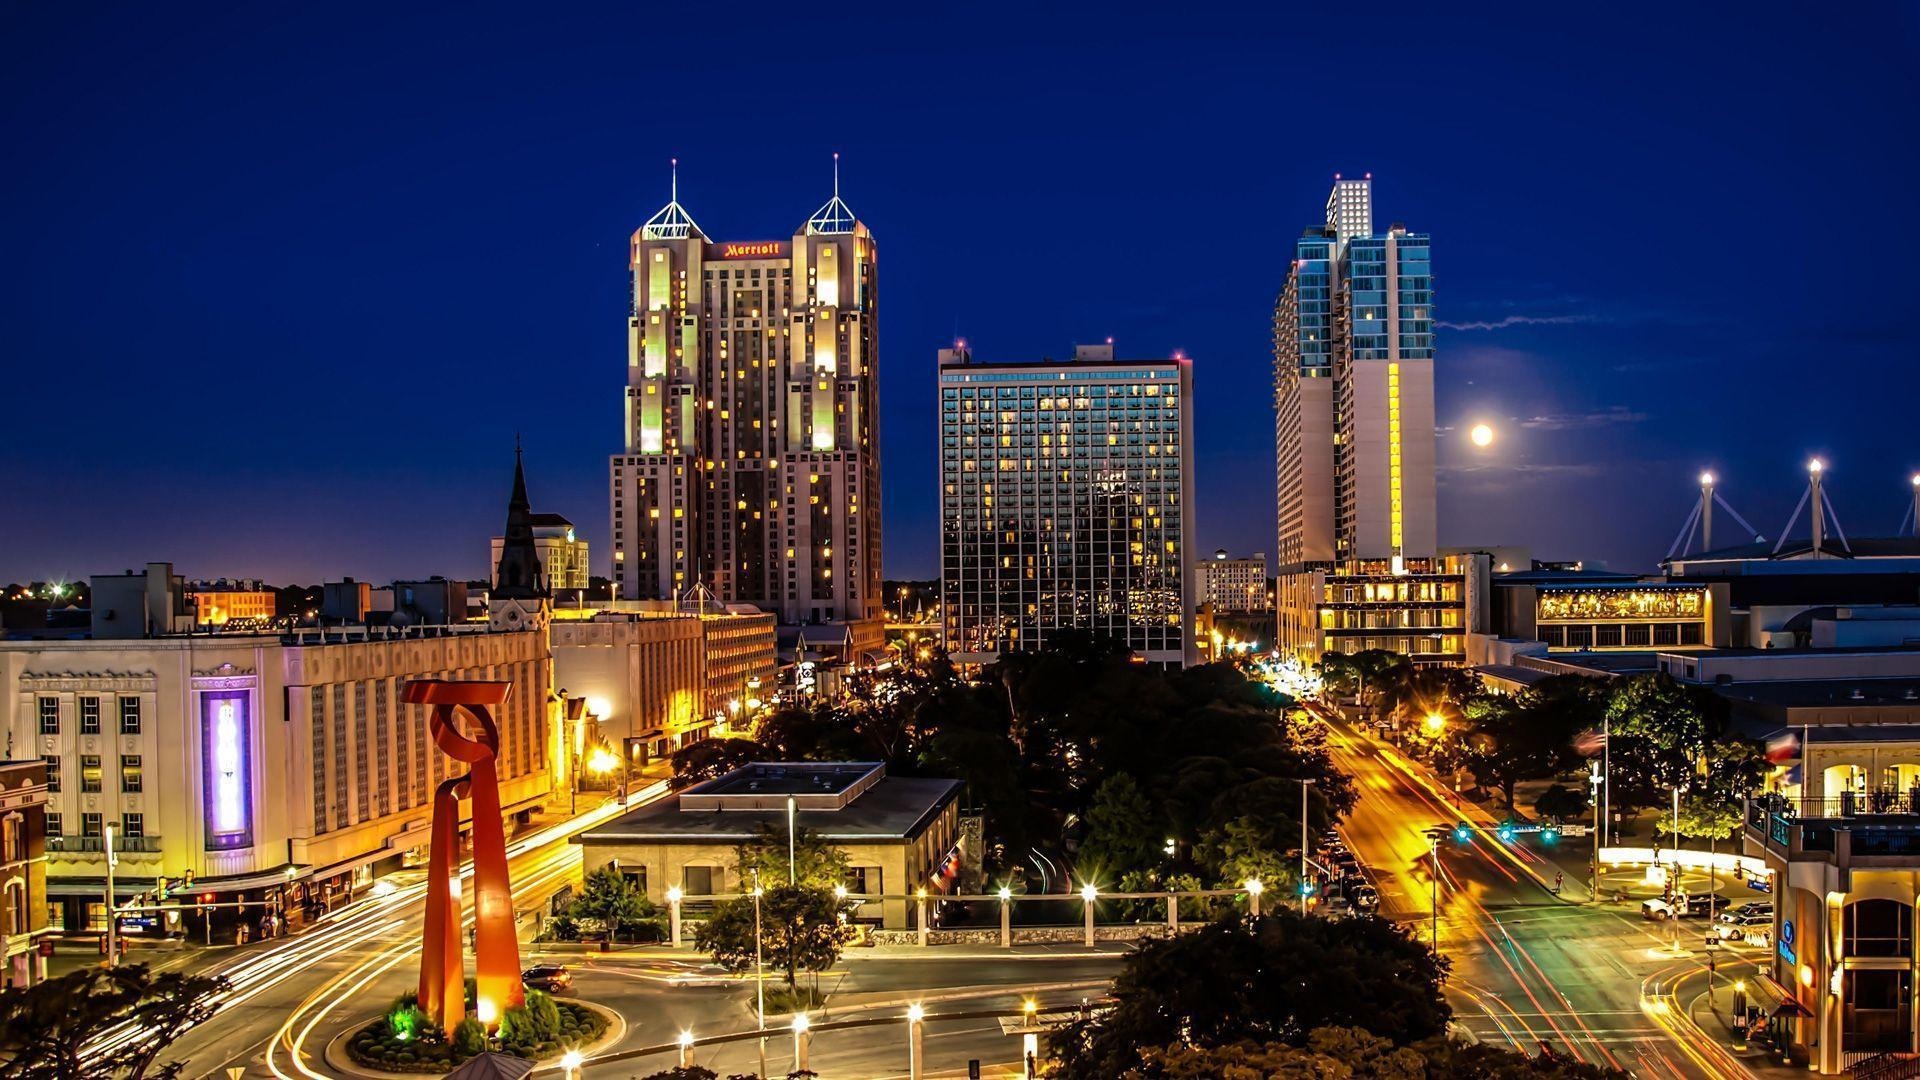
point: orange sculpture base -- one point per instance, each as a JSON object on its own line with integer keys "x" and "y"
{"x": 496, "y": 951}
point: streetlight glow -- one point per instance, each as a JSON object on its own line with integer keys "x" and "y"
{"x": 1005, "y": 894}
{"x": 1706, "y": 479}
{"x": 915, "y": 1013}
{"x": 1815, "y": 466}
{"x": 674, "y": 894}
{"x": 1088, "y": 892}
{"x": 686, "y": 1038}
{"x": 1254, "y": 888}
{"x": 801, "y": 1023}
{"x": 571, "y": 1061}
{"x": 1482, "y": 435}
{"x": 1435, "y": 722}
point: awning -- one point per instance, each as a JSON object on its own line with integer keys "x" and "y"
{"x": 1790, "y": 1007}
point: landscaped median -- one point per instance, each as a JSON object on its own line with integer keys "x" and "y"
{"x": 403, "y": 1042}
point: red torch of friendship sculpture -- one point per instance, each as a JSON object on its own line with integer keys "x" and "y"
{"x": 496, "y": 951}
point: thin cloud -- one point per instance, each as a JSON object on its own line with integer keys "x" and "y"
{"x": 1517, "y": 320}
{"x": 1619, "y": 414}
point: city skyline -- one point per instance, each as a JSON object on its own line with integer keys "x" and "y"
{"x": 291, "y": 298}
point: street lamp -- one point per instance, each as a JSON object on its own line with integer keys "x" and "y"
{"x": 686, "y": 1049}
{"x": 800, "y": 1026}
{"x": 916, "y": 1041}
{"x": 673, "y": 912}
{"x": 1436, "y": 723}
{"x": 1029, "y": 1040}
{"x": 759, "y": 975}
{"x": 571, "y": 1062}
{"x": 1006, "y": 917}
{"x": 1254, "y": 889}
{"x": 1088, "y": 894}
{"x": 1433, "y": 888}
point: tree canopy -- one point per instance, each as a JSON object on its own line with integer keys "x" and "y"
{"x": 43, "y": 1028}
{"x": 1270, "y": 980}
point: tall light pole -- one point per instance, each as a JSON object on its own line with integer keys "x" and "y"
{"x": 793, "y": 866}
{"x": 759, "y": 976}
{"x": 1433, "y": 890}
{"x": 1593, "y": 796}
{"x": 113, "y": 928}
{"x": 1303, "y": 844}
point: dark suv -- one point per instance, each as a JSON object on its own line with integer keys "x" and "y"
{"x": 553, "y": 978}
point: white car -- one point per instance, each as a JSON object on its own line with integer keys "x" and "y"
{"x": 1735, "y": 927}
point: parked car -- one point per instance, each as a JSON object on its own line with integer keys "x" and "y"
{"x": 1696, "y": 906}
{"x": 1738, "y": 927}
{"x": 553, "y": 978}
{"x": 1753, "y": 907}
{"x": 1366, "y": 898}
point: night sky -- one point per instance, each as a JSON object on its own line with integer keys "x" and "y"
{"x": 281, "y": 286}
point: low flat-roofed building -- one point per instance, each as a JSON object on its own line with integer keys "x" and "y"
{"x": 900, "y": 833}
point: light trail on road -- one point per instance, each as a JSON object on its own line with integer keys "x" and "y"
{"x": 1555, "y": 960}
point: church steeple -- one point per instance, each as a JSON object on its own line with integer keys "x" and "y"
{"x": 519, "y": 575}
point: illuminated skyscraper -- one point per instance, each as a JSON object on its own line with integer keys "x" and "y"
{"x": 1354, "y": 441}
{"x": 1065, "y": 492}
{"x": 752, "y": 460}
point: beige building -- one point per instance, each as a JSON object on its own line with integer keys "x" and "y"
{"x": 1233, "y": 585}
{"x": 563, "y": 553}
{"x": 752, "y": 459}
{"x": 900, "y": 834}
{"x": 256, "y": 762}
{"x": 665, "y": 678}
{"x": 23, "y": 870}
{"x": 216, "y": 603}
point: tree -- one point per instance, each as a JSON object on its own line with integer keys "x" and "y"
{"x": 803, "y": 928}
{"x": 1274, "y": 979}
{"x": 710, "y": 758}
{"x": 1510, "y": 739}
{"x": 815, "y": 863}
{"x": 43, "y": 1028}
{"x": 1243, "y": 850}
{"x": 1666, "y": 734}
{"x": 1122, "y": 832}
{"x": 608, "y": 897}
{"x": 1702, "y": 818}
{"x": 1562, "y": 803}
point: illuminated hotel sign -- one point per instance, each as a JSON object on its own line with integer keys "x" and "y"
{"x": 758, "y": 249}
{"x": 226, "y": 753}
{"x": 1623, "y": 604}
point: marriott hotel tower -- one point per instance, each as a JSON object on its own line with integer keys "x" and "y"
{"x": 752, "y": 460}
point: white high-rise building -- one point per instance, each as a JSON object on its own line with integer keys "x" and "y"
{"x": 1358, "y": 564}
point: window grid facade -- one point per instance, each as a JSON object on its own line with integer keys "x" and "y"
{"x": 1063, "y": 504}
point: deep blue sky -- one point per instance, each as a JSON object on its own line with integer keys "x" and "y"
{"x": 281, "y": 285}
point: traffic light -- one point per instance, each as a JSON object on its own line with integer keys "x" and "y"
{"x": 164, "y": 885}
{"x": 1462, "y": 833}
{"x": 1306, "y": 888}
{"x": 1550, "y": 834}
{"x": 1505, "y": 832}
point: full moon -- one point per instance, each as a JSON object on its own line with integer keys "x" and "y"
{"x": 1482, "y": 435}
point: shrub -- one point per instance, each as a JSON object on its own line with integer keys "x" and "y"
{"x": 544, "y": 1013}
{"x": 469, "y": 1038}
{"x": 560, "y": 928}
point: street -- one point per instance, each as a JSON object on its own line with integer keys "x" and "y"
{"x": 1530, "y": 969}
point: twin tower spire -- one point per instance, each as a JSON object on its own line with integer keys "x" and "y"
{"x": 674, "y": 223}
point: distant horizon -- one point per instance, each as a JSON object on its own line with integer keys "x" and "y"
{"x": 265, "y": 322}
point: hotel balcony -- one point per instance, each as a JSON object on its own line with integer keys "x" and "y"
{"x": 1875, "y": 828}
